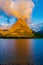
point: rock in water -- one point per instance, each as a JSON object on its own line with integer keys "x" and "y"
{"x": 20, "y": 29}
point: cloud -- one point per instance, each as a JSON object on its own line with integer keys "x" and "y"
{"x": 5, "y": 26}
{"x": 36, "y": 26}
{"x": 18, "y": 8}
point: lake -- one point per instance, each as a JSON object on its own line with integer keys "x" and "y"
{"x": 21, "y": 51}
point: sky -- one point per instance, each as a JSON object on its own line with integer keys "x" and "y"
{"x": 36, "y": 16}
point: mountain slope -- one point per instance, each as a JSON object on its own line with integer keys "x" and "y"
{"x": 20, "y": 29}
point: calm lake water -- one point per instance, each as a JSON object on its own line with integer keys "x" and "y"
{"x": 21, "y": 51}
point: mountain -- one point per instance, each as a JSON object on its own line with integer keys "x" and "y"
{"x": 37, "y": 30}
{"x": 3, "y": 32}
{"x": 20, "y": 29}
{"x": 4, "y": 29}
{"x": 41, "y": 32}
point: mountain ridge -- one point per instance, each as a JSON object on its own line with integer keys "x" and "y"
{"x": 20, "y": 29}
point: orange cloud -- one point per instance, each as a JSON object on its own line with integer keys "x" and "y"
{"x": 19, "y": 8}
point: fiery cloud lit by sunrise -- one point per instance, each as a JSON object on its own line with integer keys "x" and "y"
{"x": 18, "y": 8}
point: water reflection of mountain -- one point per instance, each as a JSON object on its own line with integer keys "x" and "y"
{"x": 16, "y": 52}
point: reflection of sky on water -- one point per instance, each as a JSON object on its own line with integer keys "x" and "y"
{"x": 38, "y": 51}
{"x": 6, "y": 50}
{"x": 21, "y": 51}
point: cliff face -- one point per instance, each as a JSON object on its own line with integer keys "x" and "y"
{"x": 20, "y": 29}
{"x": 3, "y": 32}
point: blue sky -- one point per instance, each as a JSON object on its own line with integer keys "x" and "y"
{"x": 37, "y": 15}
{"x": 5, "y": 19}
